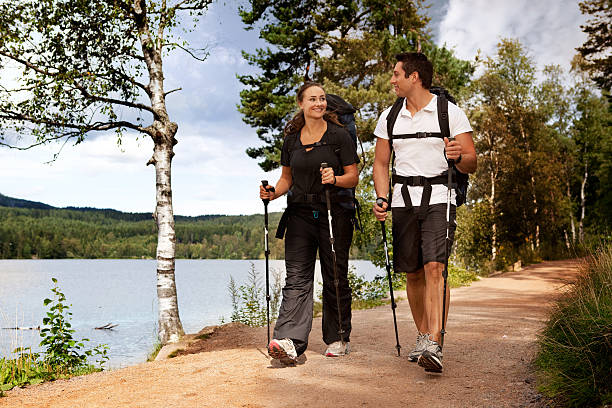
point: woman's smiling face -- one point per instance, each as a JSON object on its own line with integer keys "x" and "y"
{"x": 313, "y": 102}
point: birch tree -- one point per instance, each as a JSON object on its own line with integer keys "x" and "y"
{"x": 87, "y": 67}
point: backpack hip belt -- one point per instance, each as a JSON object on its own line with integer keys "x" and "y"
{"x": 319, "y": 198}
{"x": 426, "y": 183}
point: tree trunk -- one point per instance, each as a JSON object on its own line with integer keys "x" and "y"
{"x": 533, "y": 188}
{"x": 170, "y": 328}
{"x": 163, "y": 132}
{"x": 583, "y": 202}
{"x": 571, "y": 211}
{"x": 492, "y": 206}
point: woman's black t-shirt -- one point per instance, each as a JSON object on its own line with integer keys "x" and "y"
{"x": 336, "y": 148}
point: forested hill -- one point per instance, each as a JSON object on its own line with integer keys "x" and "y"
{"x": 31, "y": 229}
{"x": 16, "y": 202}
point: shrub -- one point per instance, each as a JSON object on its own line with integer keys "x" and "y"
{"x": 249, "y": 300}
{"x": 62, "y": 355}
{"x": 574, "y": 361}
{"x": 61, "y": 351}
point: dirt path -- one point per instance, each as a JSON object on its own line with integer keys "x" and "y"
{"x": 489, "y": 342}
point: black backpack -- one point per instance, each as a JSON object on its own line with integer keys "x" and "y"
{"x": 462, "y": 179}
{"x": 345, "y": 113}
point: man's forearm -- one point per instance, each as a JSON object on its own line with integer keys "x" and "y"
{"x": 380, "y": 175}
{"x": 467, "y": 163}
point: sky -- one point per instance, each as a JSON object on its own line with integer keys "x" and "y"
{"x": 211, "y": 173}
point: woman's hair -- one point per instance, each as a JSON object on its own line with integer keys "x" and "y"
{"x": 297, "y": 122}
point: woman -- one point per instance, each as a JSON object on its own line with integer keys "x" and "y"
{"x": 313, "y": 137}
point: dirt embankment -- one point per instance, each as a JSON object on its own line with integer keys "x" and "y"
{"x": 490, "y": 340}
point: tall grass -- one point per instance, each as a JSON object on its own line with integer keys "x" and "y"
{"x": 574, "y": 361}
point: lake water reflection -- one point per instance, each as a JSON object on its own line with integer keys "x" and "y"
{"x": 121, "y": 292}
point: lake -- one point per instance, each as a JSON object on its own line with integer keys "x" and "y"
{"x": 122, "y": 292}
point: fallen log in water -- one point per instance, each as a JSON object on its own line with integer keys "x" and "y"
{"x": 20, "y": 328}
{"x": 108, "y": 326}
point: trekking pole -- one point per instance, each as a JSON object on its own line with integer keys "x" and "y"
{"x": 379, "y": 202}
{"x": 446, "y": 245}
{"x": 333, "y": 251}
{"x": 264, "y": 183}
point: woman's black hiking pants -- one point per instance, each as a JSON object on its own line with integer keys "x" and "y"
{"x": 308, "y": 231}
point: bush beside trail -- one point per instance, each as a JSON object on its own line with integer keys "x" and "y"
{"x": 574, "y": 362}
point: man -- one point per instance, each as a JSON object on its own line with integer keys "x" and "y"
{"x": 419, "y": 225}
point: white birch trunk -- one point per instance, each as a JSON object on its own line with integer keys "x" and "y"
{"x": 170, "y": 328}
{"x": 583, "y": 202}
{"x": 571, "y": 212}
{"x": 492, "y": 206}
{"x": 163, "y": 132}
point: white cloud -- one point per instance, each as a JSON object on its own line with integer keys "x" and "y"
{"x": 549, "y": 28}
{"x": 211, "y": 174}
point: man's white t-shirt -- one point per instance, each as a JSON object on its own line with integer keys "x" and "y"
{"x": 421, "y": 157}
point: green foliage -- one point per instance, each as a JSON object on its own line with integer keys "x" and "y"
{"x": 62, "y": 353}
{"x": 592, "y": 137}
{"x": 364, "y": 290}
{"x": 157, "y": 346}
{"x": 458, "y": 277}
{"x": 26, "y": 369}
{"x": 597, "y": 49}
{"x": 72, "y": 233}
{"x": 349, "y": 46}
{"x": 543, "y": 177}
{"x": 574, "y": 360}
{"x": 249, "y": 300}
{"x": 473, "y": 235}
{"x": 80, "y": 64}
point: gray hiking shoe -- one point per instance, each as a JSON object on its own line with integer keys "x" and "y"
{"x": 337, "y": 349}
{"x": 431, "y": 358}
{"x": 421, "y": 342}
{"x": 283, "y": 350}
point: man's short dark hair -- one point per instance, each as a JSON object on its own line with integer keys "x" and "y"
{"x": 417, "y": 61}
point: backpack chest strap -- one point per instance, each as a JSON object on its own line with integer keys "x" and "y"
{"x": 418, "y": 135}
{"x": 320, "y": 144}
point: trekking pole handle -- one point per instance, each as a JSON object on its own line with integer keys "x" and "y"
{"x": 264, "y": 183}
{"x": 324, "y": 165}
{"x": 450, "y": 162}
{"x": 380, "y": 201}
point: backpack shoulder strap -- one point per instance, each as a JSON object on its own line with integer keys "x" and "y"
{"x": 443, "y": 116}
{"x": 392, "y": 117}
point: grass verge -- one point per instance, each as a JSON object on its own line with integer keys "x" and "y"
{"x": 574, "y": 361}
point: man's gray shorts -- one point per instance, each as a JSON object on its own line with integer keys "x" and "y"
{"x": 415, "y": 242}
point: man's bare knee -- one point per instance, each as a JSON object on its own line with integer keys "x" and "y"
{"x": 433, "y": 271}
{"x": 415, "y": 278}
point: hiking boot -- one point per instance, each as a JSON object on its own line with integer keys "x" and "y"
{"x": 421, "y": 342}
{"x": 431, "y": 358}
{"x": 283, "y": 350}
{"x": 337, "y": 349}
